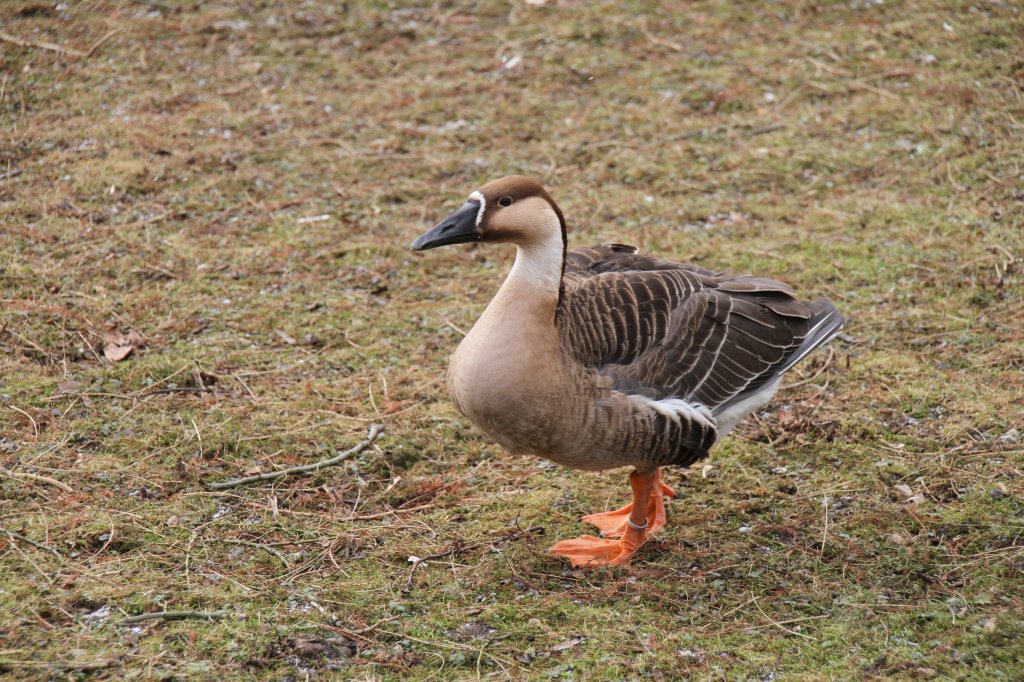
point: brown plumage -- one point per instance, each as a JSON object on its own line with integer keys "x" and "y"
{"x": 602, "y": 357}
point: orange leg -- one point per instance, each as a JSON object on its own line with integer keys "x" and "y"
{"x": 613, "y": 524}
{"x": 635, "y": 524}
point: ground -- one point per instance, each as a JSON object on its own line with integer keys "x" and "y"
{"x": 205, "y": 212}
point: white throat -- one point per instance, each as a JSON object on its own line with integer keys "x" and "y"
{"x": 538, "y": 263}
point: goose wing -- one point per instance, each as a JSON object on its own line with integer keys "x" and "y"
{"x": 662, "y": 329}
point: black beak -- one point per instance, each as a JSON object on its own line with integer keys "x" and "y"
{"x": 458, "y": 228}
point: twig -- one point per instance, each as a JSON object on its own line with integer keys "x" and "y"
{"x": 445, "y": 645}
{"x": 8, "y": 666}
{"x": 418, "y": 561}
{"x": 780, "y": 626}
{"x": 199, "y": 436}
{"x": 375, "y": 430}
{"x": 29, "y": 342}
{"x": 452, "y": 325}
{"x": 266, "y": 548}
{"x": 824, "y": 533}
{"x": 35, "y": 426}
{"x": 42, "y": 479}
{"x": 390, "y": 512}
{"x": 361, "y": 632}
{"x": 748, "y": 626}
{"x": 18, "y": 536}
{"x": 105, "y": 38}
{"x": 288, "y": 432}
{"x": 175, "y": 615}
{"x": 458, "y": 548}
{"x": 70, "y": 51}
{"x": 42, "y": 44}
{"x": 674, "y": 46}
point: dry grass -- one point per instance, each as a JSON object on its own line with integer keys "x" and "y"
{"x": 239, "y": 186}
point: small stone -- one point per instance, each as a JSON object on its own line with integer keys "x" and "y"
{"x": 1010, "y": 437}
{"x": 898, "y": 539}
{"x": 903, "y": 491}
{"x": 1000, "y": 491}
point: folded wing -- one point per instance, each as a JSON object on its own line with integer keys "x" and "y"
{"x": 666, "y": 330}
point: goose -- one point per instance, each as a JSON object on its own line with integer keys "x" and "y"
{"x": 602, "y": 357}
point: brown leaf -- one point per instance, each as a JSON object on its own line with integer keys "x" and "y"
{"x": 116, "y": 353}
{"x": 68, "y": 386}
{"x": 118, "y": 346}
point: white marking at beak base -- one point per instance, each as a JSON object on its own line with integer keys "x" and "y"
{"x": 477, "y": 196}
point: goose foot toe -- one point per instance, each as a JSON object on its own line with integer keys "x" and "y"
{"x": 591, "y": 551}
{"x": 612, "y": 524}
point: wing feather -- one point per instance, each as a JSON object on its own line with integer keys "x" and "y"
{"x": 664, "y": 330}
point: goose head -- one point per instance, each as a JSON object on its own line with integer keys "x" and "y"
{"x": 514, "y": 209}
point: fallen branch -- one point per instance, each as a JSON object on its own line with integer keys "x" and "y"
{"x": 175, "y": 615}
{"x": 42, "y": 479}
{"x": 375, "y": 430}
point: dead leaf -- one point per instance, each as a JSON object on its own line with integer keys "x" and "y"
{"x": 117, "y": 353}
{"x": 567, "y": 644}
{"x": 68, "y": 386}
{"x": 118, "y": 346}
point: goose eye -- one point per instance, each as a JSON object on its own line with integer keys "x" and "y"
{"x": 505, "y": 201}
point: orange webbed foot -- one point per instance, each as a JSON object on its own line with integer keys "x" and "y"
{"x": 634, "y": 524}
{"x": 590, "y": 551}
{"x": 613, "y": 524}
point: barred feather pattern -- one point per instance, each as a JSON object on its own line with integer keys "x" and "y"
{"x": 676, "y": 345}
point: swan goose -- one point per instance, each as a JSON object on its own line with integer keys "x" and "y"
{"x": 601, "y": 357}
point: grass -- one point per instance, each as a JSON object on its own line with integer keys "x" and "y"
{"x": 239, "y": 186}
